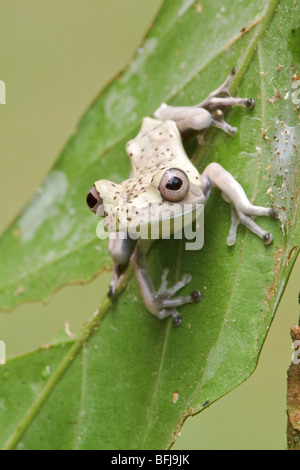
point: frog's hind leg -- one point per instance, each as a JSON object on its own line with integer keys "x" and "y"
{"x": 161, "y": 303}
{"x": 220, "y": 99}
{"x": 205, "y": 114}
{"x": 242, "y": 210}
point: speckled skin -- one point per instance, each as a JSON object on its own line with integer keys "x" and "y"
{"x": 162, "y": 183}
{"x": 156, "y": 148}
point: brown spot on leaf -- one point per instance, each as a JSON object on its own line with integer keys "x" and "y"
{"x": 271, "y": 289}
{"x": 291, "y": 255}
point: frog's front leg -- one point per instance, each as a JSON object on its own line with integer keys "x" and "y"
{"x": 207, "y": 113}
{"x": 160, "y": 303}
{"x": 121, "y": 247}
{"x": 242, "y": 210}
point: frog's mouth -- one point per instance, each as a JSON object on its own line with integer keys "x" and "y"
{"x": 161, "y": 220}
{"x": 95, "y": 202}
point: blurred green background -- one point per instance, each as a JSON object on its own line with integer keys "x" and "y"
{"x": 55, "y": 57}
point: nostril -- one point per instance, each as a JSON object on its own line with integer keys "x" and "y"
{"x": 93, "y": 199}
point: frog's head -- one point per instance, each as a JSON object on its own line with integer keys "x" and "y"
{"x": 163, "y": 183}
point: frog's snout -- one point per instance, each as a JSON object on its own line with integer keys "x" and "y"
{"x": 94, "y": 201}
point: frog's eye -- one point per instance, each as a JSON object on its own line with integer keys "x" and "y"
{"x": 94, "y": 201}
{"x": 174, "y": 185}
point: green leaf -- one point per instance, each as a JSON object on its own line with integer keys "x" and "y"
{"x": 130, "y": 380}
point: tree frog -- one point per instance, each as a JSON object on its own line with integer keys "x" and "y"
{"x": 162, "y": 183}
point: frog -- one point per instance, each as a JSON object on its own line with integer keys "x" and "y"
{"x": 162, "y": 183}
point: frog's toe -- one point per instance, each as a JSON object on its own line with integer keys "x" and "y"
{"x": 168, "y": 303}
{"x": 273, "y": 213}
{"x": 245, "y": 218}
{"x": 170, "y": 312}
{"x": 166, "y": 292}
{"x": 267, "y": 238}
{"x": 164, "y": 283}
{"x": 250, "y": 103}
{"x": 177, "y": 319}
{"x": 111, "y": 293}
{"x": 221, "y": 124}
{"x": 196, "y": 296}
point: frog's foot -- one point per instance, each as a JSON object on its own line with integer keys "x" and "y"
{"x": 220, "y": 99}
{"x": 167, "y": 303}
{"x": 166, "y": 306}
{"x": 205, "y": 114}
{"x": 245, "y": 218}
{"x": 168, "y": 292}
{"x": 242, "y": 210}
{"x": 161, "y": 303}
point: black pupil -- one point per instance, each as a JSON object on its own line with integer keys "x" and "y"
{"x": 174, "y": 183}
{"x": 91, "y": 200}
